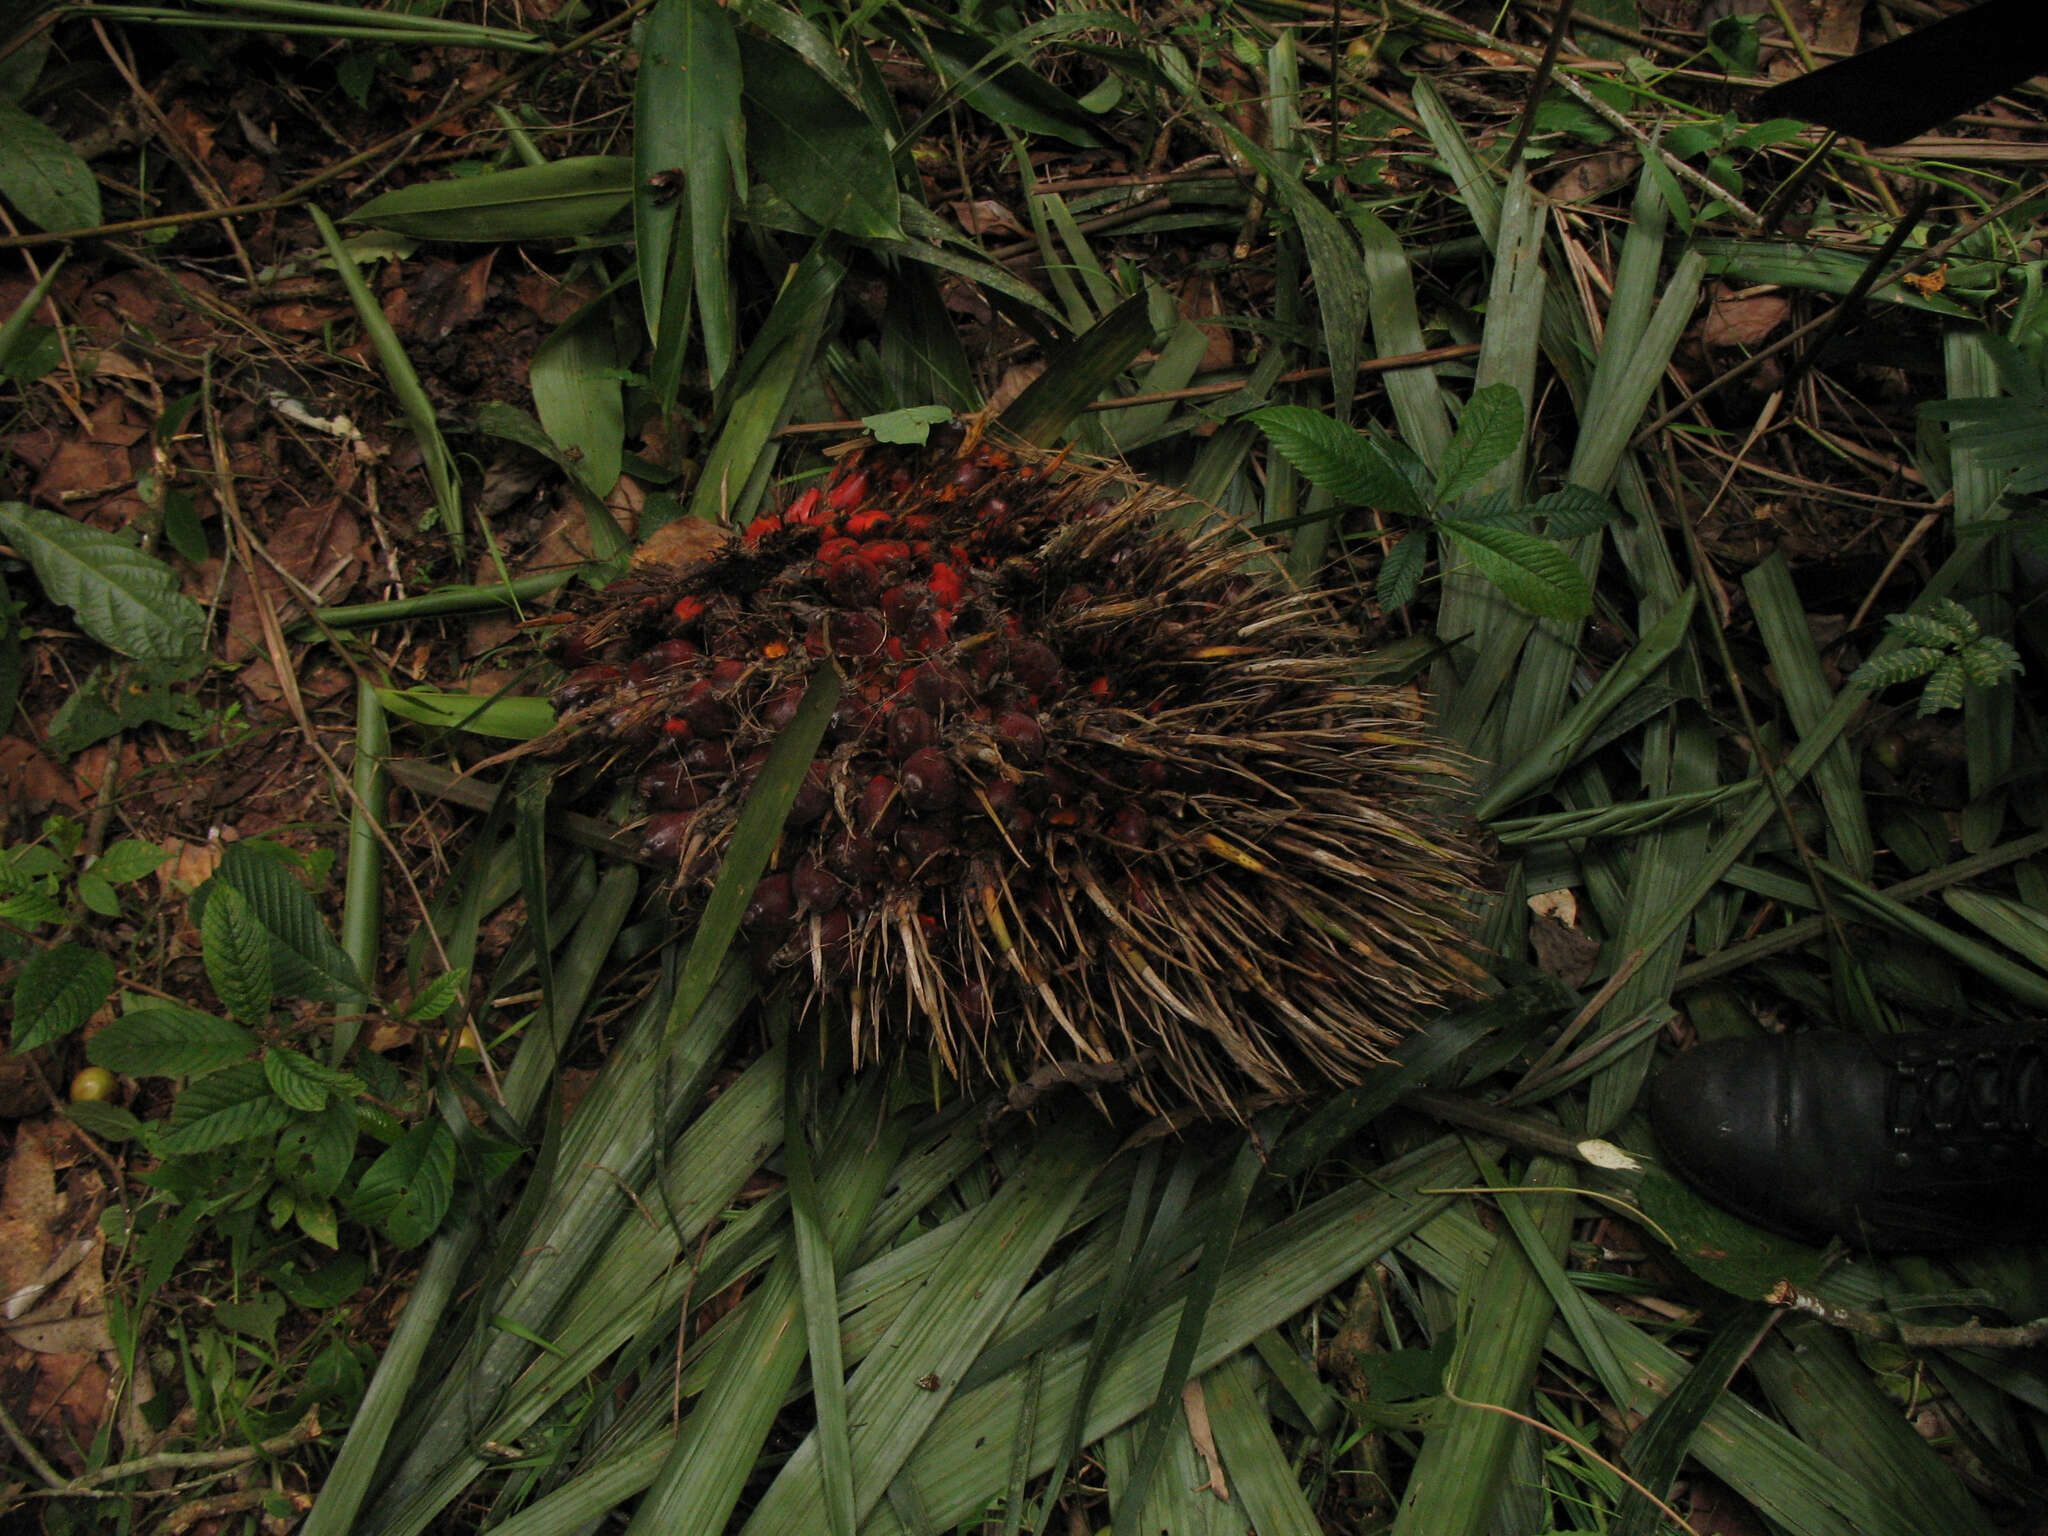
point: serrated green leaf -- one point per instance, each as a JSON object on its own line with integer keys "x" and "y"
{"x": 304, "y": 1083}
{"x": 1401, "y": 572}
{"x": 29, "y": 908}
{"x": 1572, "y": 512}
{"x": 1345, "y": 462}
{"x": 1989, "y": 662}
{"x": 169, "y": 1042}
{"x": 232, "y": 1105}
{"x": 1487, "y": 433}
{"x": 560, "y": 200}
{"x": 1898, "y": 666}
{"x": 129, "y": 859}
{"x": 1944, "y": 688}
{"x": 108, "y": 1122}
{"x": 313, "y": 1152}
{"x": 405, "y": 1193}
{"x": 1536, "y": 574}
{"x": 237, "y": 955}
{"x": 44, "y": 177}
{"x": 438, "y": 995}
{"x": 56, "y": 991}
{"x": 126, "y": 600}
{"x": 479, "y": 714}
{"x": 819, "y": 152}
{"x": 305, "y": 960}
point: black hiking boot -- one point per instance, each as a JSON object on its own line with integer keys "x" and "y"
{"x": 1912, "y": 1142}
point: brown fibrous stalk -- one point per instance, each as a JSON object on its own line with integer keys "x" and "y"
{"x": 1103, "y": 790}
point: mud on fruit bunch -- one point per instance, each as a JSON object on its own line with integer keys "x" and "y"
{"x": 1102, "y": 795}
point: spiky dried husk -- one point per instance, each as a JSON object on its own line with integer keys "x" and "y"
{"x": 1102, "y": 791}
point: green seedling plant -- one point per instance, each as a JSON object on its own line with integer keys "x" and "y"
{"x": 1949, "y": 649}
{"x": 1515, "y": 544}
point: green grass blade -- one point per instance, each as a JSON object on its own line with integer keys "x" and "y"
{"x": 1781, "y": 623}
{"x": 562, "y": 200}
{"x": 1078, "y": 373}
{"x": 435, "y": 458}
{"x": 686, "y": 118}
{"x": 1657, "y": 1450}
{"x": 913, "y": 1371}
{"x": 1261, "y": 1478}
{"x": 1458, "y": 1475}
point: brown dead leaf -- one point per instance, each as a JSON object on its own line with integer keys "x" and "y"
{"x": 1742, "y": 320}
{"x": 115, "y": 423}
{"x": 1196, "y": 1406}
{"x": 318, "y": 546}
{"x": 549, "y": 301}
{"x": 191, "y": 132}
{"x": 80, "y": 468}
{"x": 1014, "y": 382}
{"x": 1201, "y": 303}
{"x": 299, "y": 319}
{"x": 109, "y": 307}
{"x": 682, "y": 541}
{"x": 986, "y": 216}
{"x": 35, "y": 782}
{"x": 1593, "y": 176}
{"x": 28, "y": 1212}
{"x": 190, "y": 866}
{"x": 75, "y": 1387}
{"x": 1563, "y": 952}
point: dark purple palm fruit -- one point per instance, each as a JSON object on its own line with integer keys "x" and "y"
{"x": 1101, "y": 792}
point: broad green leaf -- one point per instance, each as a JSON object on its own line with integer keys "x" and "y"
{"x": 304, "y": 1083}
{"x": 44, "y": 177}
{"x": 1721, "y": 1248}
{"x": 686, "y": 121}
{"x": 577, "y": 394}
{"x": 1342, "y": 460}
{"x": 561, "y": 200}
{"x": 107, "y": 1122}
{"x": 313, "y": 1152}
{"x": 123, "y": 598}
{"x": 237, "y": 957}
{"x": 231, "y": 1105}
{"x": 1487, "y": 434}
{"x": 405, "y": 1192}
{"x": 912, "y": 424}
{"x": 306, "y": 961}
{"x": 129, "y": 859}
{"x": 1535, "y": 573}
{"x": 815, "y": 148}
{"x": 169, "y": 1042}
{"x": 98, "y": 895}
{"x": 56, "y": 991}
{"x": 516, "y": 719}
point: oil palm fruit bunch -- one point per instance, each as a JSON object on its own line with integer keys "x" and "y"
{"x": 1103, "y": 799}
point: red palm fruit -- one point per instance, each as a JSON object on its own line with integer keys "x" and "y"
{"x": 928, "y": 782}
{"x": 773, "y": 904}
{"x": 816, "y": 886}
{"x": 909, "y": 729}
{"x": 662, "y": 836}
{"x": 1099, "y": 792}
{"x": 880, "y": 806}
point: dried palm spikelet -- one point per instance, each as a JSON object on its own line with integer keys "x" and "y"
{"x": 1103, "y": 797}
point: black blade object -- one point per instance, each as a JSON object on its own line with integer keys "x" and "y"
{"x": 1906, "y": 87}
